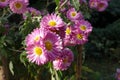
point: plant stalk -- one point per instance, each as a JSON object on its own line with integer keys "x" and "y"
{"x": 5, "y": 67}
{"x": 79, "y": 62}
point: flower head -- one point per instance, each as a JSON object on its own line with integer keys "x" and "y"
{"x": 79, "y": 37}
{"x": 83, "y": 26}
{"x": 93, "y": 4}
{"x": 64, "y": 61}
{"x": 35, "y": 36}
{"x": 52, "y": 44}
{"x": 4, "y": 3}
{"x": 102, "y": 5}
{"x": 18, "y": 6}
{"x": 99, "y": 5}
{"x": 72, "y": 14}
{"x": 117, "y": 74}
{"x": 52, "y": 21}
{"x": 34, "y": 11}
{"x": 35, "y": 53}
{"x": 69, "y": 39}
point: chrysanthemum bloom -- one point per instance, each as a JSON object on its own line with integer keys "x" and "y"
{"x": 83, "y": 26}
{"x": 3, "y": 3}
{"x": 52, "y": 21}
{"x": 53, "y": 45}
{"x": 99, "y": 5}
{"x": 34, "y": 11}
{"x": 34, "y": 36}
{"x": 72, "y": 14}
{"x": 18, "y": 6}
{"x": 64, "y": 61}
{"x": 36, "y": 54}
{"x": 117, "y": 74}
{"x": 26, "y": 1}
{"x": 80, "y": 37}
{"x": 102, "y": 5}
{"x": 69, "y": 40}
{"x": 93, "y": 4}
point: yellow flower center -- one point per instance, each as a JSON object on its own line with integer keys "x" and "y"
{"x": 73, "y": 14}
{"x": 2, "y": 0}
{"x": 68, "y": 31}
{"x": 48, "y": 45}
{"x": 92, "y": 4}
{"x": 118, "y": 76}
{"x": 18, "y": 5}
{"x": 38, "y": 51}
{"x": 83, "y": 27}
{"x": 79, "y": 36}
{"x": 52, "y": 23}
{"x": 101, "y": 5}
{"x": 33, "y": 13}
{"x": 65, "y": 60}
{"x": 37, "y": 38}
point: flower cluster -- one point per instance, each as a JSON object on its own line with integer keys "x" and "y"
{"x": 19, "y": 7}
{"x": 56, "y": 32}
{"x": 117, "y": 75}
{"x": 44, "y": 44}
{"x": 99, "y": 5}
{"x": 49, "y": 42}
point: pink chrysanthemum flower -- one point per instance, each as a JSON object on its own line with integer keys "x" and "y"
{"x": 35, "y": 53}
{"x": 72, "y": 14}
{"x": 64, "y": 61}
{"x": 68, "y": 39}
{"x": 34, "y": 11}
{"x": 83, "y": 26}
{"x": 99, "y": 5}
{"x": 93, "y": 4}
{"x": 80, "y": 37}
{"x": 117, "y": 75}
{"x": 3, "y": 3}
{"x": 102, "y": 5}
{"x": 52, "y": 21}
{"x": 26, "y": 1}
{"x": 18, "y": 6}
{"x": 52, "y": 44}
{"x": 35, "y": 36}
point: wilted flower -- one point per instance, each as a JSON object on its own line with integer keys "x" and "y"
{"x": 64, "y": 61}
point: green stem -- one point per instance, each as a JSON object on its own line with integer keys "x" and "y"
{"x": 54, "y": 74}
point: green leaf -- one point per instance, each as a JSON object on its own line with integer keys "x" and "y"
{"x": 11, "y": 67}
{"x": 85, "y": 68}
{"x": 76, "y": 4}
{"x": 23, "y": 58}
{"x": 57, "y": 2}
